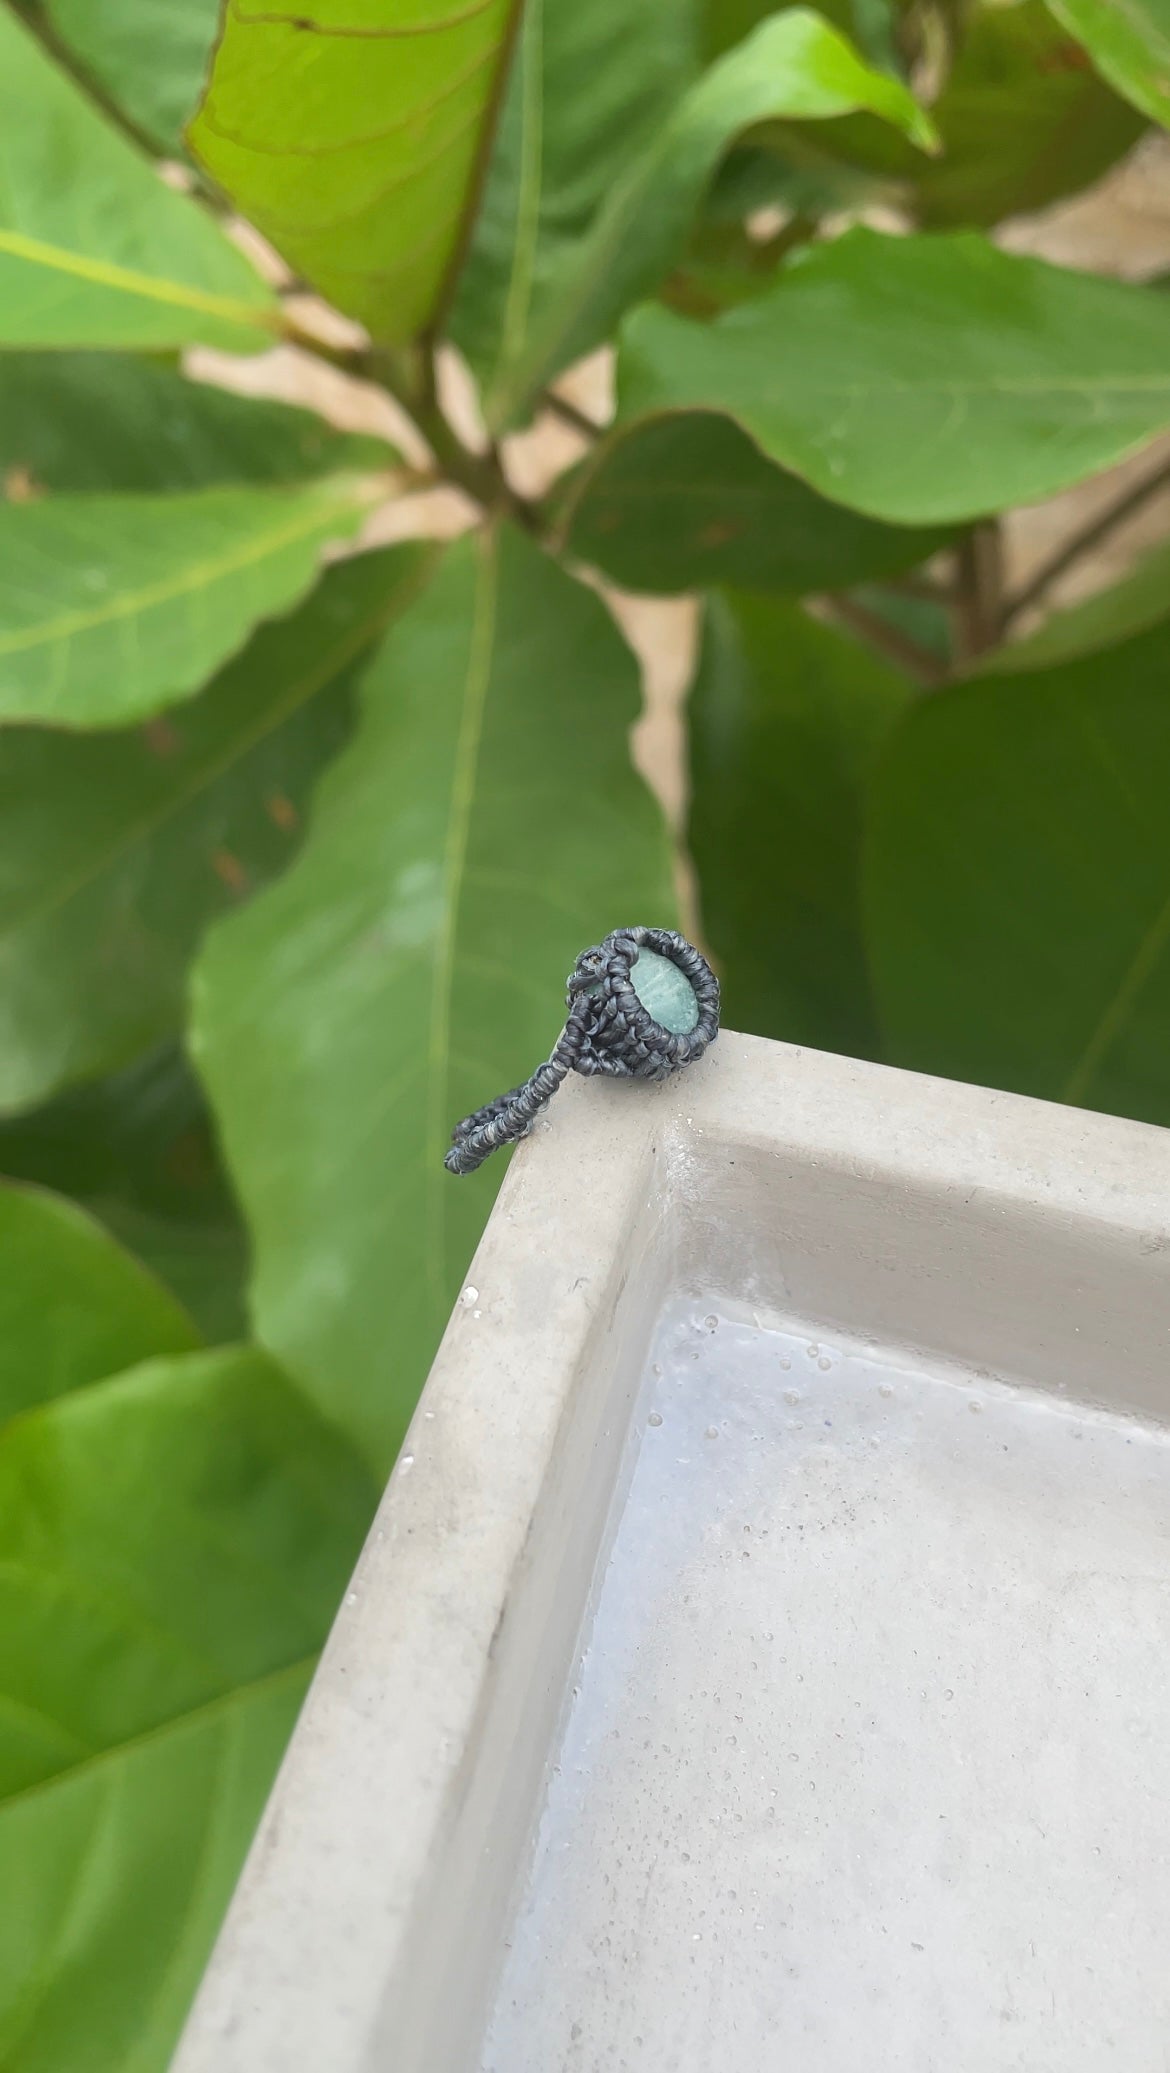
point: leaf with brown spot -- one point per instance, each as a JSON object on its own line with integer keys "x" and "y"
{"x": 1129, "y": 44}
{"x": 685, "y": 502}
{"x": 229, "y": 870}
{"x": 115, "y": 848}
{"x": 282, "y": 811}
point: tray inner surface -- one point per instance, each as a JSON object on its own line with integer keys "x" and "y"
{"x": 865, "y": 1758}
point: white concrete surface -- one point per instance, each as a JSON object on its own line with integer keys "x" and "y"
{"x": 429, "y": 1892}
{"x": 865, "y": 1765}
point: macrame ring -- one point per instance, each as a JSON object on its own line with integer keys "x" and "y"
{"x": 624, "y": 1038}
{"x": 609, "y": 1030}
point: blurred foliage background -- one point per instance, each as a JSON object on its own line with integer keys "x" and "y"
{"x": 315, "y": 742}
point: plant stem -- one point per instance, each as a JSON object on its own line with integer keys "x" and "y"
{"x": 977, "y": 601}
{"x": 897, "y": 647}
{"x": 409, "y": 377}
{"x": 1082, "y": 542}
{"x": 570, "y": 415}
{"x": 922, "y": 587}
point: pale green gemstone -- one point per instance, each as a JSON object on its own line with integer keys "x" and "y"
{"x": 665, "y": 992}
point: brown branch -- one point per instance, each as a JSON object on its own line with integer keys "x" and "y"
{"x": 409, "y": 376}
{"x": 1082, "y": 542}
{"x": 890, "y": 641}
{"x": 977, "y": 598}
{"x": 919, "y": 587}
{"x": 570, "y": 415}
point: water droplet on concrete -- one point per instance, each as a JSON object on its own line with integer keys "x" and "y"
{"x": 712, "y": 1432}
{"x": 655, "y": 1418}
{"x": 824, "y": 1362}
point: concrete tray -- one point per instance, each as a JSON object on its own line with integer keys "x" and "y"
{"x": 761, "y": 1657}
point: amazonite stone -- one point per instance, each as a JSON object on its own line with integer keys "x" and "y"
{"x": 665, "y": 992}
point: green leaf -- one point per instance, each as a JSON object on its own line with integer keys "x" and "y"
{"x": 1023, "y": 122}
{"x": 150, "y": 56}
{"x": 685, "y": 501}
{"x": 116, "y": 850}
{"x": 483, "y": 828}
{"x": 173, "y": 1543}
{"x": 94, "y": 249}
{"x": 794, "y": 65}
{"x": 73, "y": 1305}
{"x": 921, "y": 379}
{"x": 1017, "y": 883}
{"x": 786, "y": 719}
{"x": 867, "y": 22}
{"x": 1129, "y": 44}
{"x": 137, "y": 1149}
{"x": 114, "y": 607}
{"x": 587, "y": 87}
{"x": 175, "y": 1813}
{"x": 105, "y": 421}
{"x": 1141, "y": 599}
{"x": 352, "y": 133}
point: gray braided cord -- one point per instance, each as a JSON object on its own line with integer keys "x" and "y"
{"x": 607, "y": 1031}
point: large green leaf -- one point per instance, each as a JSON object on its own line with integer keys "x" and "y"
{"x": 483, "y": 828}
{"x": 589, "y": 83}
{"x": 113, "y": 607}
{"x": 173, "y": 1542}
{"x": 786, "y": 719}
{"x": 352, "y": 132}
{"x": 73, "y": 1305}
{"x": 1018, "y": 882}
{"x": 685, "y": 501}
{"x": 920, "y": 379}
{"x": 116, "y": 850}
{"x": 94, "y": 249}
{"x": 794, "y": 65}
{"x": 150, "y": 56}
{"x": 137, "y": 1148}
{"x": 1129, "y": 41}
{"x": 106, "y": 421}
